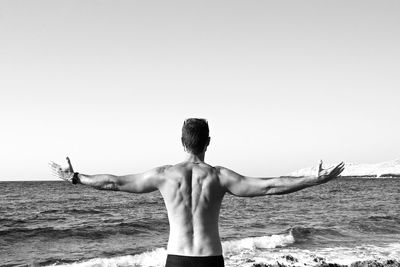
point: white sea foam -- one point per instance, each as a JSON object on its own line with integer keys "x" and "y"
{"x": 339, "y": 255}
{"x": 152, "y": 258}
{"x": 252, "y": 243}
{"x": 157, "y": 257}
{"x": 245, "y": 252}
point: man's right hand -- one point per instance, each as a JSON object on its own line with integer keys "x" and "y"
{"x": 325, "y": 175}
{"x": 66, "y": 173}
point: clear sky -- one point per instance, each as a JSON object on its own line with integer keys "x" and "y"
{"x": 282, "y": 83}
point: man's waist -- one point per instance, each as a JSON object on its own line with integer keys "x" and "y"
{"x": 183, "y": 260}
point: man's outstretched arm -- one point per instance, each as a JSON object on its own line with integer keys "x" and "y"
{"x": 244, "y": 186}
{"x": 135, "y": 183}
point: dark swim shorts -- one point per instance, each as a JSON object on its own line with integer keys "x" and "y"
{"x": 194, "y": 261}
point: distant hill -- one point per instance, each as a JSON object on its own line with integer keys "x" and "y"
{"x": 383, "y": 169}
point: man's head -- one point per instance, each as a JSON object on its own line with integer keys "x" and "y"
{"x": 195, "y": 135}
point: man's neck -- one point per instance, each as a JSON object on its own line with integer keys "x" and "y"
{"x": 196, "y": 158}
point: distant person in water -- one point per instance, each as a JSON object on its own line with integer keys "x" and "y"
{"x": 193, "y": 192}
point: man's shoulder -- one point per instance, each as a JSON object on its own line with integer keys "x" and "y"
{"x": 222, "y": 169}
{"x": 226, "y": 175}
{"x": 161, "y": 169}
{"x": 170, "y": 168}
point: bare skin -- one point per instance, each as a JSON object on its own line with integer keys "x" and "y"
{"x": 193, "y": 191}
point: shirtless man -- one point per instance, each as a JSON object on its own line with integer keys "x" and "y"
{"x": 193, "y": 191}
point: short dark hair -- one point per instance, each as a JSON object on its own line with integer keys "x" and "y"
{"x": 195, "y": 134}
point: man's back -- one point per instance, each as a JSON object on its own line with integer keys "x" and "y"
{"x": 192, "y": 194}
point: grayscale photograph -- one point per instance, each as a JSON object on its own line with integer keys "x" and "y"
{"x": 200, "y": 133}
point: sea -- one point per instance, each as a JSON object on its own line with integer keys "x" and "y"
{"x": 53, "y": 223}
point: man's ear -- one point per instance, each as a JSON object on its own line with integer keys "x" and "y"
{"x": 208, "y": 142}
{"x": 184, "y": 147}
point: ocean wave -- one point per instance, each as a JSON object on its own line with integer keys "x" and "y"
{"x": 249, "y": 252}
{"x": 305, "y": 233}
{"x": 94, "y": 232}
{"x": 253, "y": 243}
{"x": 154, "y": 258}
{"x": 8, "y": 222}
{"x": 72, "y": 211}
{"x": 376, "y": 224}
{"x": 384, "y": 218}
{"x": 157, "y": 257}
{"x": 109, "y": 227}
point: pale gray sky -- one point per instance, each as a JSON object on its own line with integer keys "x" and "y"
{"x": 282, "y": 83}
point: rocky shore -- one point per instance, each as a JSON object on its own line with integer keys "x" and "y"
{"x": 290, "y": 261}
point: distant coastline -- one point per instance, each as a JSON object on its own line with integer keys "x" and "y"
{"x": 373, "y": 176}
{"x": 356, "y": 176}
{"x": 387, "y": 169}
